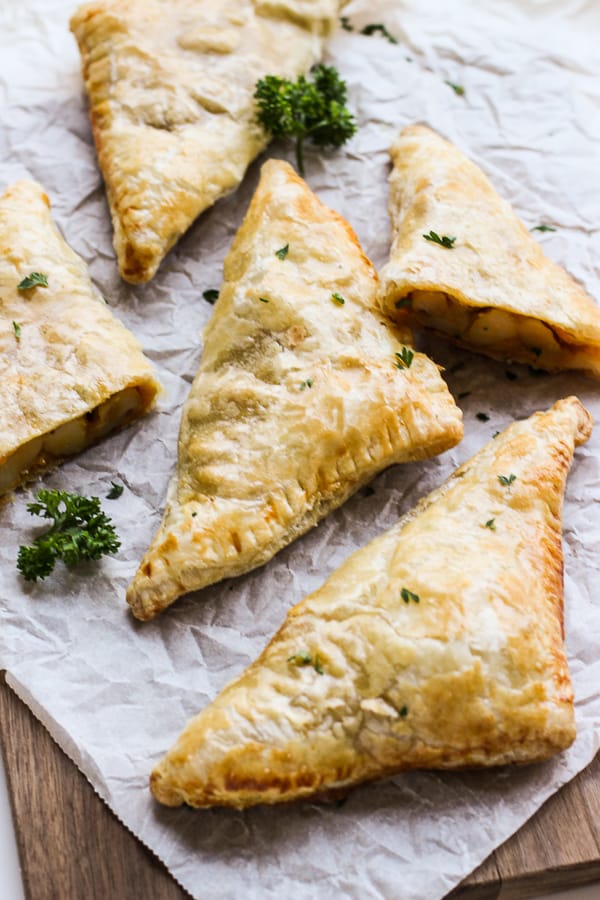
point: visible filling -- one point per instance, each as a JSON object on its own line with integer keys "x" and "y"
{"x": 499, "y": 333}
{"x": 72, "y": 437}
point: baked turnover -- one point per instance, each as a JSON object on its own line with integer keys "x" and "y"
{"x": 438, "y": 645}
{"x": 171, "y": 88}
{"x": 303, "y": 394}
{"x": 70, "y": 372}
{"x": 463, "y": 265}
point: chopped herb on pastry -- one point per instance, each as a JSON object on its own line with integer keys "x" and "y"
{"x": 438, "y": 645}
{"x": 303, "y": 395}
{"x": 70, "y": 372}
{"x": 171, "y": 90}
{"x": 463, "y": 265}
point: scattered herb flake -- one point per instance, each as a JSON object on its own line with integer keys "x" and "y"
{"x": 444, "y": 241}
{"x": 495, "y": 434}
{"x": 194, "y": 514}
{"x": 17, "y": 330}
{"x": 483, "y": 417}
{"x": 491, "y": 524}
{"x": 543, "y": 228}
{"x": 263, "y": 299}
{"x": 115, "y": 491}
{"x": 405, "y": 303}
{"x": 337, "y": 298}
{"x": 303, "y": 658}
{"x": 211, "y": 295}
{"x": 403, "y": 712}
{"x": 507, "y": 480}
{"x": 306, "y": 384}
{"x": 457, "y": 88}
{"x": 404, "y": 358}
{"x": 407, "y": 596}
{"x": 378, "y": 28}
{"x": 346, "y": 23}
{"x": 35, "y": 279}
{"x": 282, "y": 252}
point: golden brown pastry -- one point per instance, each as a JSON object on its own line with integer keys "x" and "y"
{"x": 303, "y": 394}
{"x": 70, "y": 372}
{"x": 438, "y": 645}
{"x": 493, "y": 290}
{"x": 171, "y": 103}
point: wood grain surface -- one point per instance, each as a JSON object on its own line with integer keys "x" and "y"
{"x": 72, "y": 847}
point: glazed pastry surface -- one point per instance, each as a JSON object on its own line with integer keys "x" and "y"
{"x": 298, "y": 401}
{"x": 438, "y": 645}
{"x": 170, "y": 88}
{"x": 494, "y": 291}
{"x": 70, "y": 372}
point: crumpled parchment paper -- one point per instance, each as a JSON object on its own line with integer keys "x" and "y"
{"x": 116, "y": 693}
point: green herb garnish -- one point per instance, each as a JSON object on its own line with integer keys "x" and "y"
{"x": 282, "y": 252}
{"x": 115, "y": 491}
{"x": 304, "y": 109}
{"x": 17, "y": 330}
{"x": 483, "y": 417}
{"x": 404, "y": 359}
{"x": 403, "y": 711}
{"x": 407, "y": 596}
{"x": 405, "y": 303}
{"x": 306, "y": 384}
{"x": 543, "y": 228}
{"x": 80, "y": 531}
{"x": 337, "y": 298}
{"x": 378, "y": 28}
{"x": 303, "y": 658}
{"x": 35, "y": 279}
{"x": 444, "y": 241}
{"x": 490, "y": 524}
{"x": 346, "y": 23}
{"x": 505, "y": 480}
{"x": 457, "y": 88}
{"x": 211, "y": 296}
{"x": 263, "y": 299}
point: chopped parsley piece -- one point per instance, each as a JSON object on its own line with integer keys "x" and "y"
{"x": 483, "y": 417}
{"x": 303, "y": 658}
{"x": 491, "y": 524}
{"x": 306, "y": 384}
{"x": 337, "y": 298}
{"x": 346, "y": 23}
{"x": 263, "y": 299}
{"x": 17, "y": 330}
{"x": 495, "y": 434}
{"x": 403, "y": 712}
{"x": 405, "y": 303}
{"x": 211, "y": 296}
{"x": 407, "y": 596}
{"x": 305, "y": 109}
{"x": 378, "y": 28}
{"x": 80, "y": 531}
{"x": 444, "y": 241}
{"x": 543, "y": 228}
{"x": 404, "y": 359}
{"x": 194, "y": 514}
{"x": 457, "y": 88}
{"x": 505, "y": 480}
{"x": 35, "y": 279}
{"x": 282, "y": 252}
{"x": 115, "y": 491}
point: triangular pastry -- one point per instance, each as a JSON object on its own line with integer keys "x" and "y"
{"x": 70, "y": 372}
{"x": 438, "y": 645}
{"x": 303, "y": 394}
{"x": 171, "y": 103}
{"x": 492, "y": 290}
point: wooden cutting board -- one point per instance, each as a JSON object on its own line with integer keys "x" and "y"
{"x": 72, "y": 847}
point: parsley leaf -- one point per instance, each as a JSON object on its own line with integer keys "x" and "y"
{"x": 403, "y": 712}
{"x": 543, "y": 228}
{"x": 378, "y": 28}
{"x": 457, "y": 88}
{"x": 407, "y": 596}
{"x": 337, "y": 298}
{"x": 505, "y": 480}
{"x": 346, "y": 23}
{"x": 490, "y": 524}
{"x": 35, "y": 279}
{"x": 211, "y": 296}
{"x": 115, "y": 491}
{"x": 404, "y": 359}
{"x": 444, "y": 241}
{"x": 80, "y": 531}
{"x": 263, "y": 299}
{"x": 404, "y": 303}
{"x": 303, "y": 658}
{"x": 483, "y": 417}
{"x": 304, "y": 109}
{"x": 306, "y": 384}
{"x": 282, "y": 252}
{"x": 17, "y": 330}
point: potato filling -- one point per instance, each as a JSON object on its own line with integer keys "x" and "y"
{"x": 72, "y": 437}
{"x": 498, "y": 333}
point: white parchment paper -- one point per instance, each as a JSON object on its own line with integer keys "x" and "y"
{"x": 115, "y": 693}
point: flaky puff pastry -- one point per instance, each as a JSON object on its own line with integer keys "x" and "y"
{"x": 170, "y": 87}
{"x": 70, "y": 372}
{"x": 301, "y": 397}
{"x": 438, "y": 645}
{"x": 493, "y": 291}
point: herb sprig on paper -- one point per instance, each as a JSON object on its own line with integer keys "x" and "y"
{"x": 35, "y": 279}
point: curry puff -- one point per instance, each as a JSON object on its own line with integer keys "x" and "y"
{"x": 171, "y": 88}
{"x": 303, "y": 395}
{"x": 70, "y": 372}
{"x": 463, "y": 265}
{"x": 438, "y": 645}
